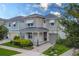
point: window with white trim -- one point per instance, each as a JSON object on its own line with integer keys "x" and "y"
{"x": 52, "y": 24}
{"x": 30, "y": 24}
{"x": 14, "y": 24}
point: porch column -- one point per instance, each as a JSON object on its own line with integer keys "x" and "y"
{"x": 32, "y": 37}
{"x": 38, "y": 39}
{"x": 47, "y": 36}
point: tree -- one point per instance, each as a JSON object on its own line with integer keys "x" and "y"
{"x": 3, "y": 31}
{"x": 72, "y": 9}
{"x": 72, "y": 32}
{"x": 71, "y": 26}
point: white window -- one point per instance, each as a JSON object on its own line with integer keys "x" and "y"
{"x": 30, "y": 24}
{"x": 14, "y": 24}
{"x": 52, "y": 22}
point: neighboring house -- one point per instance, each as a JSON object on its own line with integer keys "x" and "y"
{"x": 1, "y": 21}
{"x": 39, "y": 29}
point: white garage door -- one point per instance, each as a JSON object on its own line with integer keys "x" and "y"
{"x": 52, "y": 38}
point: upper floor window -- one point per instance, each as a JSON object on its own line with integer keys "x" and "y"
{"x": 30, "y": 24}
{"x": 51, "y": 22}
{"x": 14, "y": 24}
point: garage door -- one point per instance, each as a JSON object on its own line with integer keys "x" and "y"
{"x": 12, "y": 35}
{"x": 52, "y": 38}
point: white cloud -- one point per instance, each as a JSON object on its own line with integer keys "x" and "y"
{"x": 3, "y": 8}
{"x": 44, "y": 5}
{"x": 29, "y": 6}
{"x": 35, "y": 12}
{"x": 59, "y": 4}
{"x": 56, "y": 13}
{"x": 35, "y": 5}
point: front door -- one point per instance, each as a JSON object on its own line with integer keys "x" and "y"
{"x": 29, "y": 35}
{"x": 45, "y": 36}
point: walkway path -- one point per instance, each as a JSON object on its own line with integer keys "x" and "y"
{"x": 68, "y": 53}
{"x": 37, "y": 51}
{"x": 3, "y": 41}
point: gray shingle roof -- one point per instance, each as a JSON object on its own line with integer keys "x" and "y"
{"x": 35, "y": 16}
{"x": 22, "y": 18}
{"x": 17, "y": 18}
{"x": 51, "y": 16}
{"x": 34, "y": 29}
{"x": 1, "y": 19}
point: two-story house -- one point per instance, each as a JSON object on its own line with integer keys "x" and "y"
{"x": 39, "y": 29}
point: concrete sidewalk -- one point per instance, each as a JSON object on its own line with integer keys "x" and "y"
{"x": 68, "y": 53}
{"x": 4, "y": 41}
{"x": 37, "y": 51}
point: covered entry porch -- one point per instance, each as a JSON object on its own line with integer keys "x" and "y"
{"x": 37, "y": 35}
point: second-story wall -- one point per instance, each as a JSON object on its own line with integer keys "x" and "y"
{"x": 36, "y": 22}
{"x": 52, "y": 26}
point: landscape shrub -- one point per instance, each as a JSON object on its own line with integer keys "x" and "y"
{"x": 26, "y": 42}
{"x": 16, "y": 37}
{"x": 60, "y": 41}
{"x": 22, "y": 42}
{"x": 68, "y": 43}
{"x": 0, "y": 39}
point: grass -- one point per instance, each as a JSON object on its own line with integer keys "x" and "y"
{"x": 15, "y": 46}
{"x": 77, "y": 53}
{"x": 56, "y": 50}
{"x": 6, "y": 52}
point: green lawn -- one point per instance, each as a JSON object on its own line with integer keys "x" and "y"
{"x": 77, "y": 53}
{"x": 56, "y": 50}
{"x": 6, "y": 52}
{"x": 11, "y": 45}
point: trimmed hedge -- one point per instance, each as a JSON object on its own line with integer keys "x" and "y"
{"x": 21, "y": 42}
{"x": 16, "y": 37}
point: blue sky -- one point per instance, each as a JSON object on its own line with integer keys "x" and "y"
{"x": 8, "y": 10}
